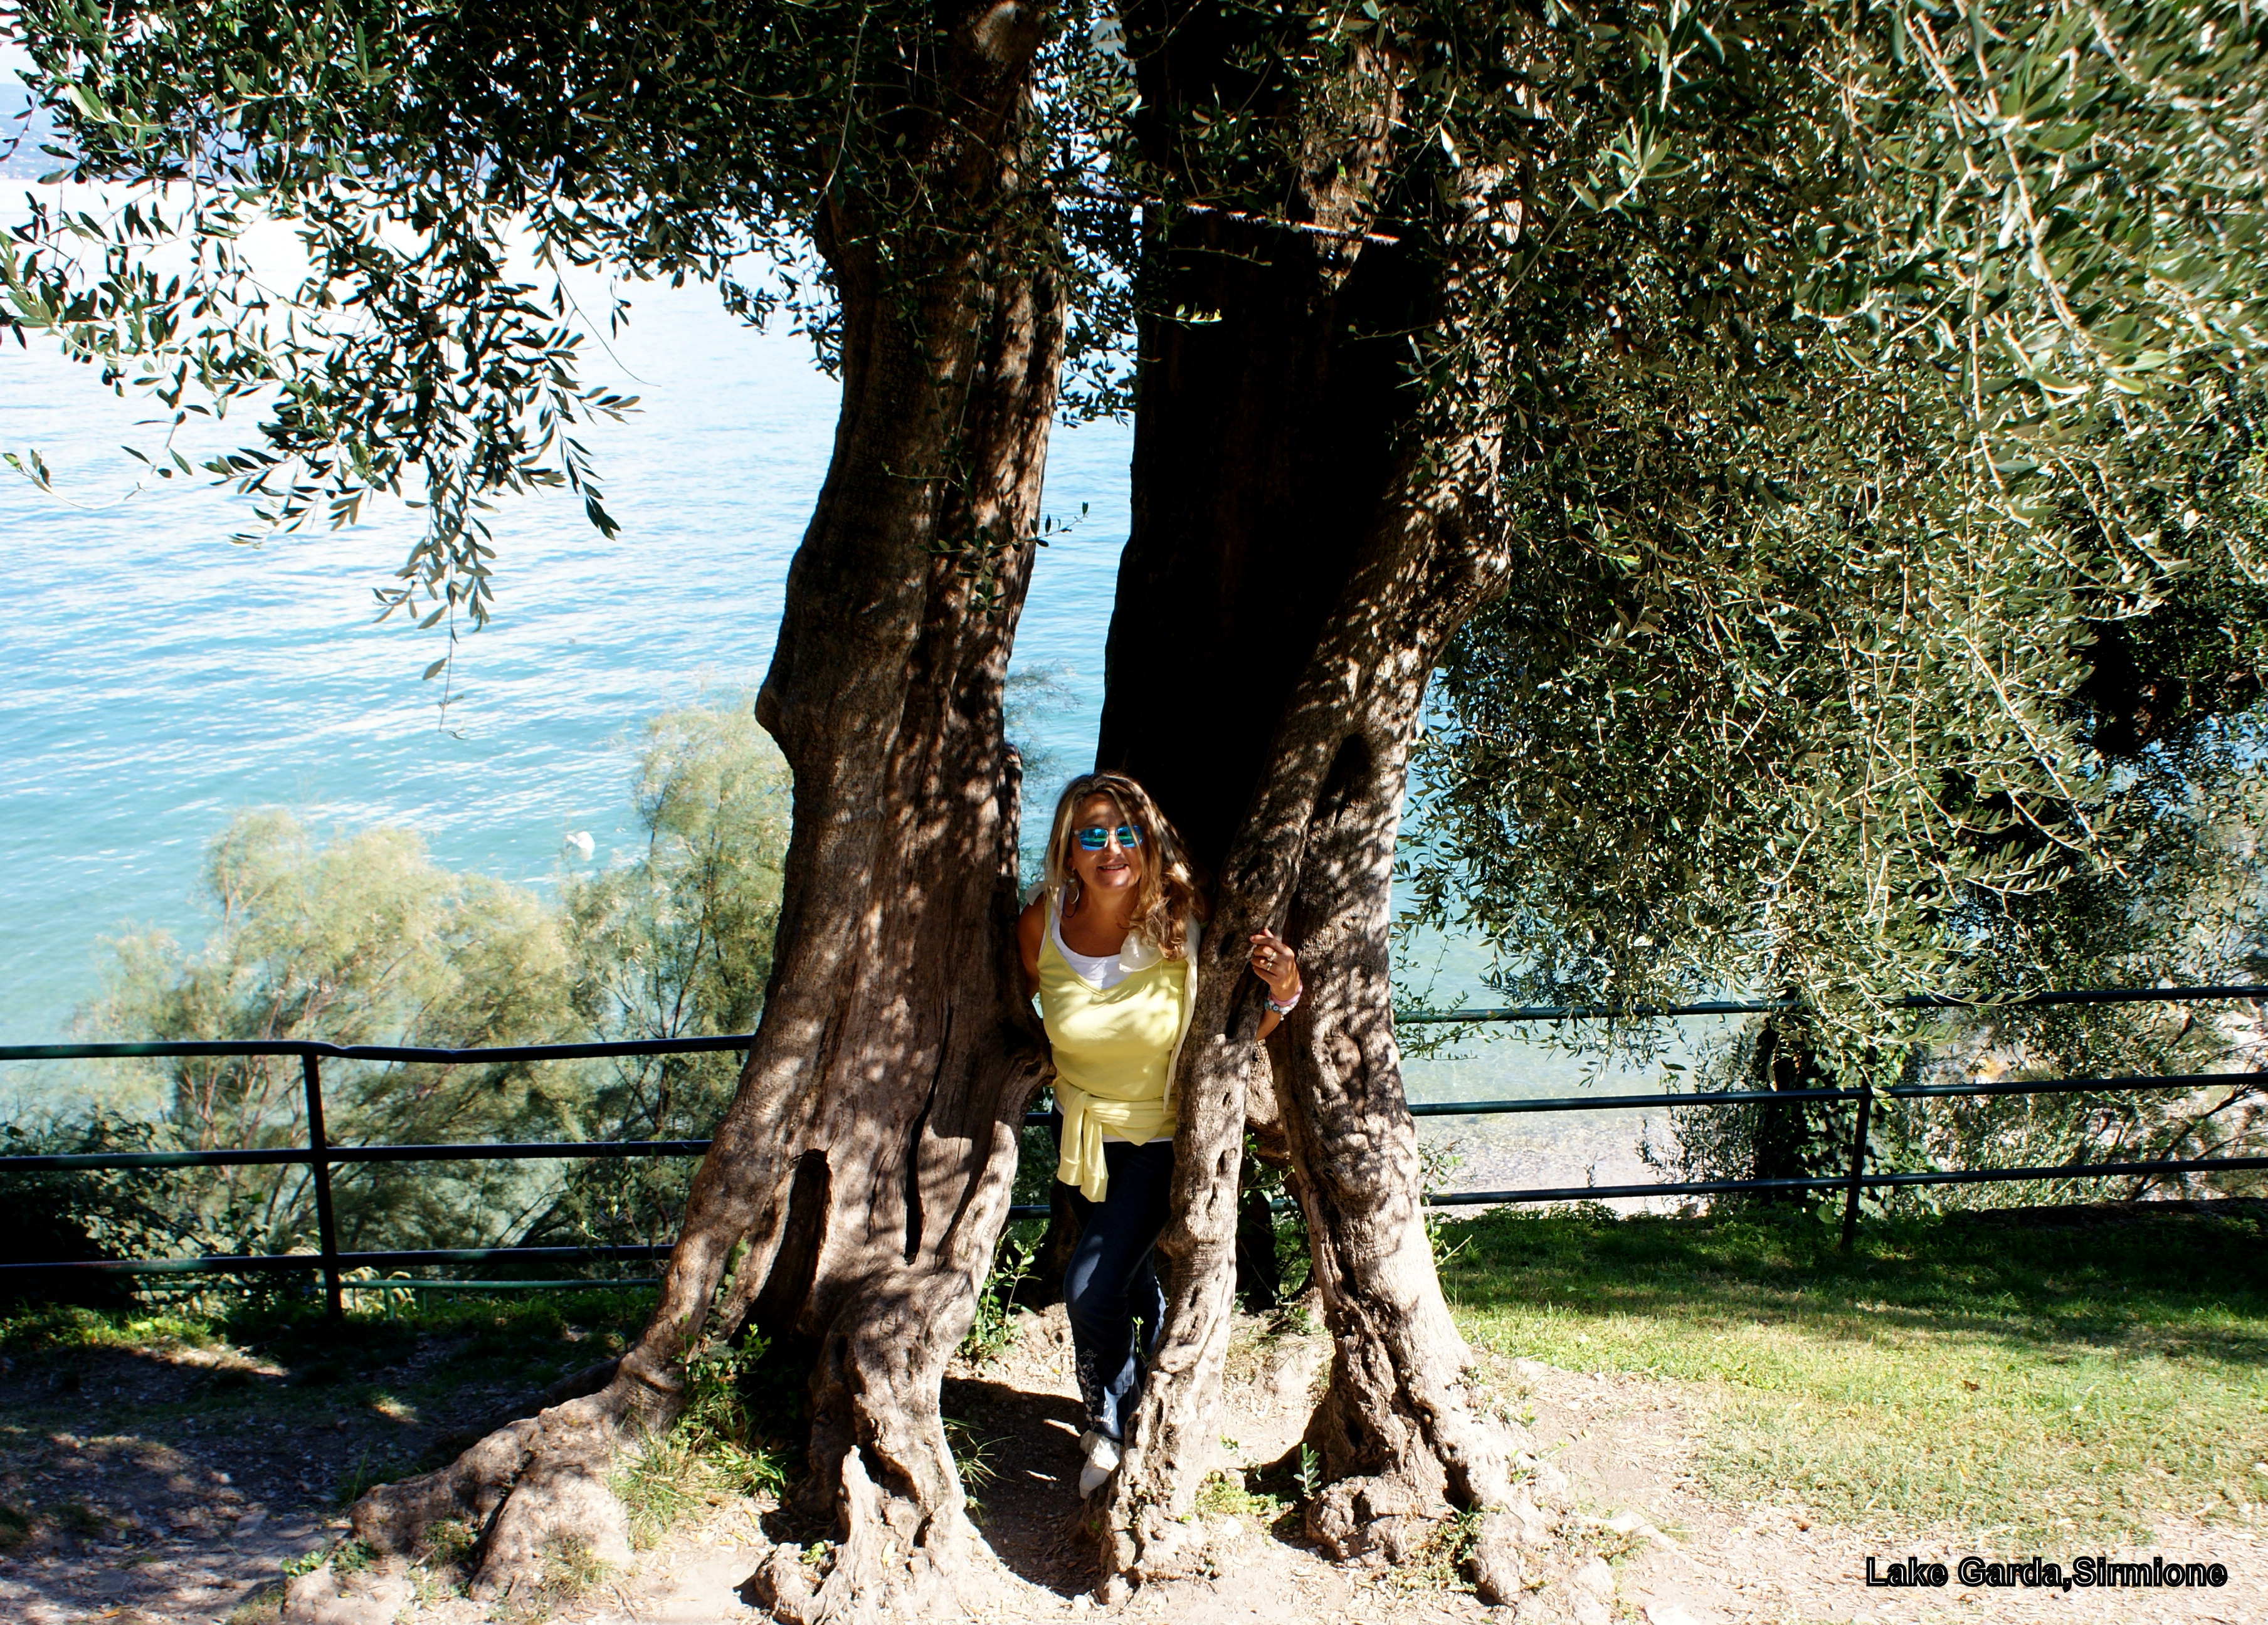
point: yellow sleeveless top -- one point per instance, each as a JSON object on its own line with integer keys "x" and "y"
{"x": 1115, "y": 1049}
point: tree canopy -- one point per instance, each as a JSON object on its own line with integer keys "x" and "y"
{"x": 1886, "y": 498}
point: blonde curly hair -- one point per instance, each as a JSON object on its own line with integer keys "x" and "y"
{"x": 1168, "y": 894}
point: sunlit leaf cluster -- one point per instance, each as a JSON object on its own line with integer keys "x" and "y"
{"x": 393, "y": 231}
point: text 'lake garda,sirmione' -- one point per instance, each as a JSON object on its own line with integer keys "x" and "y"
{"x": 2084, "y": 1573}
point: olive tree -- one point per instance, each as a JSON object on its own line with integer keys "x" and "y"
{"x": 445, "y": 170}
{"x": 1834, "y": 368}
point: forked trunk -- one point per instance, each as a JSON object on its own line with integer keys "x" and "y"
{"x": 862, "y": 1170}
{"x": 1323, "y": 606}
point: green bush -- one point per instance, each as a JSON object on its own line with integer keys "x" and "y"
{"x": 364, "y": 940}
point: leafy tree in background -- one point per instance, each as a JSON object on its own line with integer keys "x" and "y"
{"x": 676, "y": 943}
{"x": 366, "y": 940}
{"x": 362, "y": 941}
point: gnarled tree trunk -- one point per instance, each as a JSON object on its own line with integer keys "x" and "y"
{"x": 1399, "y": 1438}
{"x": 865, "y": 1166}
{"x": 1308, "y": 531}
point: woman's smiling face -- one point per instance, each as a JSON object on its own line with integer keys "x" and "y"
{"x": 1114, "y": 870}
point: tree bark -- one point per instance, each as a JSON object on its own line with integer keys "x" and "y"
{"x": 1306, "y": 537}
{"x": 1398, "y": 1436}
{"x": 862, "y": 1170}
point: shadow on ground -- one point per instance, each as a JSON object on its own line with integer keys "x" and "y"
{"x": 1025, "y": 1446}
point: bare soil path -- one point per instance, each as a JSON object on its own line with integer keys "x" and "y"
{"x": 172, "y": 1487}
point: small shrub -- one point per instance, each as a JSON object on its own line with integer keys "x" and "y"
{"x": 1224, "y": 1494}
{"x": 449, "y": 1541}
{"x": 1441, "y": 1563}
{"x": 70, "y": 1326}
{"x": 570, "y": 1567}
{"x": 1293, "y": 1318}
{"x": 971, "y": 1458}
{"x": 712, "y": 1452}
{"x": 345, "y": 1558}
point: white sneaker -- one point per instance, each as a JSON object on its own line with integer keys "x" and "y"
{"x": 1101, "y": 1462}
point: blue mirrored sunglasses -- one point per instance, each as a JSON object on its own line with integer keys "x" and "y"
{"x": 1094, "y": 837}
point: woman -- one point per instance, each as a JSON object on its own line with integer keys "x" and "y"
{"x": 1110, "y": 947}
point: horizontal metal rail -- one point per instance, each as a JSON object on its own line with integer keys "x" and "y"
{"x": 256, "y": 1262}
{"x": 1840, "y": 1181}
{"x": 520, "y": 1150}
{"x": 320, "y": 1157}
{"x": 190, "y": 1048}
{"x": 1901, "y": 1091}
{"x": 1765, "y": 1007}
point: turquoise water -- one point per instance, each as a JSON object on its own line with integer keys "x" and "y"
{"x": 159, "y": 677}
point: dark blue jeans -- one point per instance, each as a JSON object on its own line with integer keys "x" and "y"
{"x": 1112, "y": 1281}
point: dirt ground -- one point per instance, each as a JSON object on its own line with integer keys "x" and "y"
{"x": 166, "y": 1501}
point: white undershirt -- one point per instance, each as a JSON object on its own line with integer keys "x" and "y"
{"x": 1103, "y": 972}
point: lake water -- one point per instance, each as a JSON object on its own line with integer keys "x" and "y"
{"x": 160, "y": 676}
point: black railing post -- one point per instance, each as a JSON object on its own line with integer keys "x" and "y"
{"x": 1857, "y": 1155}
{"x": 319, "y": 1167}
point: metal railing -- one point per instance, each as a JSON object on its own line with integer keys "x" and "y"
{"x": 1856, "y": 1180}
{"x": 318, "y": 1155}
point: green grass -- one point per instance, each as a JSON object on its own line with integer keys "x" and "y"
{"x": 2064, "y": 1383}
{"x": 716, "y": 1450}
{"x": 488, "y": 1337}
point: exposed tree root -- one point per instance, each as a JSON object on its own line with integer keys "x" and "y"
{"x": 893, "y": 1562}
{"x": 1389, "y": 1518}
{"x": 529, "y": 1487}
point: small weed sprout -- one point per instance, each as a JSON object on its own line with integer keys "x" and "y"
{"x": 972, "y": 1460}
{"x": 1311, "y": 1472}
{"x": 1441, "y": 1563}
{"x": 364, "y": 1477}
{"x": 449, "y": 1541}
{"x": 1222, "y": 1495}
{"x": 994, "y": 1329}
{"x": 571, "y": 1568}
{"x": 1293, "y": 1319}
{"x": 347, "y": 1557}
{"x": 971, "y": 1455}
